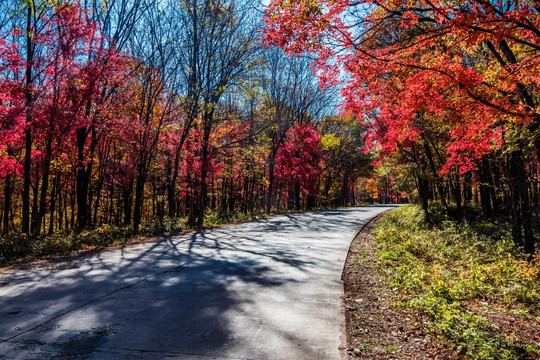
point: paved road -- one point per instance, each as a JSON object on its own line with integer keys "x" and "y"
{"x": 268, "y": 289}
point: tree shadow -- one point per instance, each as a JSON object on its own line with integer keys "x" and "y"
{"x": 196, "y": 294}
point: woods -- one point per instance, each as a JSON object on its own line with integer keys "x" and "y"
{"x": 447, "y": 91}
{"x": 126, "y": 120}
{"x": 137, "y": 112}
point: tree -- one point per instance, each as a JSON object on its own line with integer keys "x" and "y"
{"x": 297, "y": 163}
{"x": 473, "y": 66}
{"x": 344, "y": 158}
{"x": 227, "y": 34}
{"x": 291, "y": 97}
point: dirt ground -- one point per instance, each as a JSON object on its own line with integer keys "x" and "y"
{"x": 375, "y": 329}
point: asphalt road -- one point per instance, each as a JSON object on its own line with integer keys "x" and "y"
{"x": 267, "y": 289}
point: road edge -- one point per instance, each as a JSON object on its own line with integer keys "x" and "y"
{"x": 343, "y": 326}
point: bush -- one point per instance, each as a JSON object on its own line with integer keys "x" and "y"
{"x": 444, "y": 266}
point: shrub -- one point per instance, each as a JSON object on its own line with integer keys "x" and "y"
{"x": 445, "y": 266}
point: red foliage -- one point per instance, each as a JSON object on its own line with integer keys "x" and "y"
{"x": 297, "y": 161}
{"x": 396, "y": 72}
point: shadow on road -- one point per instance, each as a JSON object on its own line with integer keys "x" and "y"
{"x": 181, "y": 295}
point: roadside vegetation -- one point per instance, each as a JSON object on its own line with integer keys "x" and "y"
{"x": 16, "y": 247}
{"x": 475, "y": 288}
{"x": 21, "y": 248}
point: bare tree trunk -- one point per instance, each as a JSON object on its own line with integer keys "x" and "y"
{"x": 27, "y": 131}
{"x": 270, "y": 194}
{"x": 44, "y": 183}
{"x": 485, "y": 188}
{"x": 8, "y": 191}
{"x": 521, "y": 211}
{"x": 54, "y": 195}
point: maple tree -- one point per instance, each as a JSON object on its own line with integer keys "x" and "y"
{"x": 102, "y": 123}
{"x": 468, "y": 70}
{"x": 297, "y": 162}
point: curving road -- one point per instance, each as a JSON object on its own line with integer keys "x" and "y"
{"x": 267, "y": 289}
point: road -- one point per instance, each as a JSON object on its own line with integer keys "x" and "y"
{"x": 267, "y": 289}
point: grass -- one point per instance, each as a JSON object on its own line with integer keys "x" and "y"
{"x": 390, "y": 348}
{"x": 467, "y": 278}
{"x": 16, "y": 247}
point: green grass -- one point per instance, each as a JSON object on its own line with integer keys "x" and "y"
{"x": 15, "y": 247}
{"x": 447, "y": 269}
{"x": 390, "y": 348}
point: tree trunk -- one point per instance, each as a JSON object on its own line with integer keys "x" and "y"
{"x": 27, "y": 131}
{"x": 127, "y": 197}
{"x": 421, "y": 185}
{"x": 297, "y": 195}
{"x": 98, "y": 198}
{"x": 485, "y": 188}
{"x": 26, "y": 179}
{"x": 54, "y": 195}
{"x": 435, "y": 174}
{"x": 35, "y": 209}
{"x": 456, "y": 190}
{"x": 82, "y": 181}
{"x": 44, "y": 183}
{"x": 521, "y": 211}
{"x": 344, "y": 190}
{"x": 139, "y": 193}
{"x": 171, "y": 184}
{"x": 8, "y": 191}
{"x": 205, "y": 152}
{"x": 270, "y": 194}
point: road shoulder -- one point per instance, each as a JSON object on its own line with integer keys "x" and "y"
{"x": 374, "y": 327}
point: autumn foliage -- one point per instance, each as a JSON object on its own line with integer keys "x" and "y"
{"x": 95, "y": 132}
{"x": 446, "y": 89}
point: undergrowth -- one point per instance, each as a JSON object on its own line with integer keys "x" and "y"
{"x": 457, "y": 274}
{"x": 16, "y": 247}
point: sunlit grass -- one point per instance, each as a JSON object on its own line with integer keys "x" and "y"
{"x": 448, "y": 270}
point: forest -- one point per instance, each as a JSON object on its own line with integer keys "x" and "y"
{"x": 140, "y": 120}
{"x": 135, "y": 112}
{"x": 447, "y": 92}
{"x": 144, "y": 113}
